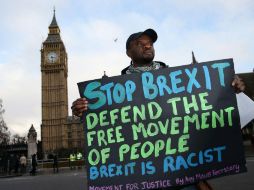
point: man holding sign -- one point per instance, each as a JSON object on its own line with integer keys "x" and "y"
{"x": 139, "y": 47}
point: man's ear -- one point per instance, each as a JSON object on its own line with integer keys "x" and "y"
{"x": 128, "y": 53}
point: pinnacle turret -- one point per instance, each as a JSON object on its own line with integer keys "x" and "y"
{"x": 54, "y": 31}
{"x": 53, "y": 22}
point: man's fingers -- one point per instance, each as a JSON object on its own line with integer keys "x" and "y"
{"x": 235, "y": 81}
{"x": 238, "y": 84}
{"x": 78, "y": 106}
{"x": 79, "y": 101}
{"x": 242, "y": 88}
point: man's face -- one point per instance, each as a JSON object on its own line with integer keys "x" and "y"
{"x": 141, "y": 50}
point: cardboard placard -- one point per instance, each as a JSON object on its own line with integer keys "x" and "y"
{"x": 169, "y": 127}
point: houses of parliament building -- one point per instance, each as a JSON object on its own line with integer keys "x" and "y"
{"x": 58, "y": 130}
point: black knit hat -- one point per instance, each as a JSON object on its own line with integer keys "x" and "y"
{"x": 149, "y": 32}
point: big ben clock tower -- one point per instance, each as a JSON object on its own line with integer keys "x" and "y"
{"x": 54, "y": 72}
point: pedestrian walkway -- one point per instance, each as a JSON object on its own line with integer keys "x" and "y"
{"x": 9, "y": 175}
{"x": 60, "y": 170}
{"x": 44, "y": 171}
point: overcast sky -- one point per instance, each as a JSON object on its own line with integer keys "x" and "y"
{"x": 213, "y": 29}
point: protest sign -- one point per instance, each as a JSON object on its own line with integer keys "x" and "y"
{"x": 162, "y": 128}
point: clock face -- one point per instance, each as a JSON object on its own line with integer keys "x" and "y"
{"x": 52, "y": 57}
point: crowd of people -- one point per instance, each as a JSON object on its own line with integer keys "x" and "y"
{"x": 13, "y": 164}
{"x": 75, "y": 160}
{"x": 16, "y": 164}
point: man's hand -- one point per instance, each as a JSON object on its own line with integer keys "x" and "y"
{"x": 238, "y": 84}
{"x": 78, "y": 106}
{"x": 204, "y": 185}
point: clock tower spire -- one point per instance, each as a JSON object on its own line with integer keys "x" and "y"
{"x": 54, "y": 31}
{"x": 54, "y": 73}
{"x": 53, "y": 27}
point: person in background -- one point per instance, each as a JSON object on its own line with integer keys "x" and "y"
{"x": 17, "y": 164}
{"x": 34, "y": 165}
{"x": 79, "y": 160}
{"x": 22, "y": 161}
{"x": 55, "y": 163}
{"x": 12, "y": 161}
{"x": 72, "y": 161}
